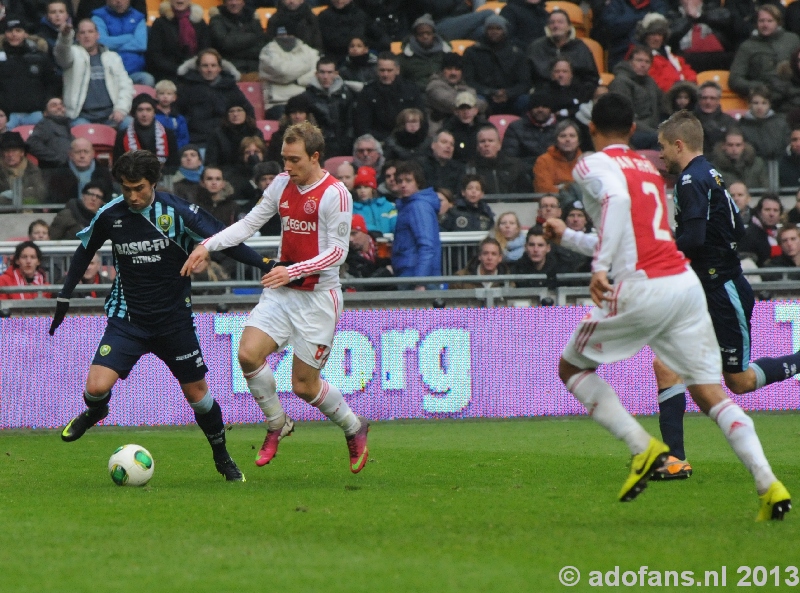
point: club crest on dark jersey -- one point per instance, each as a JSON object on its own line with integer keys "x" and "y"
{"x": 165, "y": 222}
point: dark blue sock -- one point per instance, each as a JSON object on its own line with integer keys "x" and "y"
{"x": 214, "y": 428}
{"x": 773, "y": 370}
{"x": 670, "y": 421}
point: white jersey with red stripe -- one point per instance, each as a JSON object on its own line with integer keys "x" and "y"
{"x": 315, "y": 221}
{"x": 624, "y": 194}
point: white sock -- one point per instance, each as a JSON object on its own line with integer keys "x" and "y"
{"x": 330, "y": 402}
{"x": 738, "y": 428}
{"x": 264, "y": 390}
{"x": 604, "y": 406}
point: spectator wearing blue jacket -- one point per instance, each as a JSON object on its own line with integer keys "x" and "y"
{"x": 417, "y": 249}
{"x": 124, "y": 30}
{"x": 378, "y": 212}
{"x": 167, "y": 115}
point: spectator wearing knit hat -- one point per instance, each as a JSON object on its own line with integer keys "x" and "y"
{"x": 146, "y": 133}
{"x": 287, "y": 66}
{"x": 27, "y": 75}
{"x": 223, "y": 145}
{"x": 422, "y": 53}
{"x": 526, "y": 21}
{"x": 530, "y": 136}
{"x": 297, "y": 110}
{"x": 497, "y": 69}
{"x": 615, "y": 21}
{"x": 444, "y": 86}
{"x": 298, "y": 20}
{"x": 667, "y": 68}
{"x": 560, "y": 41}
{"x": 379, "y": 213}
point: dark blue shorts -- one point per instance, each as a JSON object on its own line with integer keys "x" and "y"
{"x": 731, "y": 307}
{"x": 124, "y": 344}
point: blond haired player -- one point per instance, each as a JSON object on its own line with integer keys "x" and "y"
{"x": 316, "y": 211}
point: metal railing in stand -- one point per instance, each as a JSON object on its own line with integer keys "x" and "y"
{"x": 227, "y": 298}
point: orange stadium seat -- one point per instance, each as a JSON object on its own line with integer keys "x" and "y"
{"x": 459, "y": 45}
{"x": 268, "y": 127}
{"x": 598, "y": 53}
{"x": 334, "y": 162}
{"x": 492, "y": 5}
{"x": 252, "y": 91}
{"x": 318, "y": 9}
{"x": 264, "y": 14}
{"x": 396, "y": 47}
{"x": 501, "y": 122}
{"x": 152, "y": 15}
{"x": 101, "y": 136}
{"x": 606, "y": 78}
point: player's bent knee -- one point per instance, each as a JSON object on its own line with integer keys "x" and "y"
{"x": 739, "y": 383}
{"x": 567, "y": 370}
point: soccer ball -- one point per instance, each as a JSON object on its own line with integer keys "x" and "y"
{"x": 131, "y": 465}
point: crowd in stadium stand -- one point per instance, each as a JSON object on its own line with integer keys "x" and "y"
{"x": 428, "y": 105}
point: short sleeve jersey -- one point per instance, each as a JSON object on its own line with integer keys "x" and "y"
{"x": 624, "y": 194}
{"x": 150, "y": 247}
{"x": 701, "y": 193}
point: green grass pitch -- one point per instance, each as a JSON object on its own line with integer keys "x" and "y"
{"x": 461, "y": 506}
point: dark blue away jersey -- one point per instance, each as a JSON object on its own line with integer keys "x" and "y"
{"x": 701, "y": 194}
{"x": 150, "y": 247}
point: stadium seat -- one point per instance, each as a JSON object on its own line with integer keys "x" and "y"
{"x": 318, "y": 9}
{"x": 598, "y": 53}
{"x": 152, "y": 5}
{"x": 144, "y": 88}
{"x": 252, "y": 91}
{"x": 575, "y": 12}
{"x": 606, "y": 78}
{"x": 101, "y": 136}
{"x": 268, "y": 127}
{"x": 264, "y": 14}
{"x": 207, "y": 3}
{"x": 734, "y": 102}
{"x": 492, "y": 5}
{"x": 718, "y": 76}
{"x": 333, "y": 163}
{"x": 736, "y": 113}
{"x": 459, "y": 45}
{"x": 396, "y": 47}
{"x": 501, "y": 122}
{"x": 206, "y": 15}
{"x": 152, "y": 15}
{"x": 24, "y": 131}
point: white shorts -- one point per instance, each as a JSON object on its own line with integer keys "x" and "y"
{"x": 668, "y": 314}
{"x": 304, "y": 319}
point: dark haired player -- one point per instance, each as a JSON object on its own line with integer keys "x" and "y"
{"x": 149, "y": 307}
{"x": 624, "y": 192}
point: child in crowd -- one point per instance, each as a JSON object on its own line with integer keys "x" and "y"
{"x": 166, "y": 95}
{"x": 39, "y": 231}
{"x": 470, "y": 212}
{"x": 378, "y": 212}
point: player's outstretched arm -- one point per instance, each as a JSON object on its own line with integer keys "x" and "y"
{"x": 80, "y": 261}
{"x": 195, "y": 257}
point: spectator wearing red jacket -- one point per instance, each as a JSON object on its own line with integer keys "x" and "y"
{"x": 24, "y": 270}
{"x": 667, "y": 68}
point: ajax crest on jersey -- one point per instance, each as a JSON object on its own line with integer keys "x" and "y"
{"x": 131, "y": 465}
